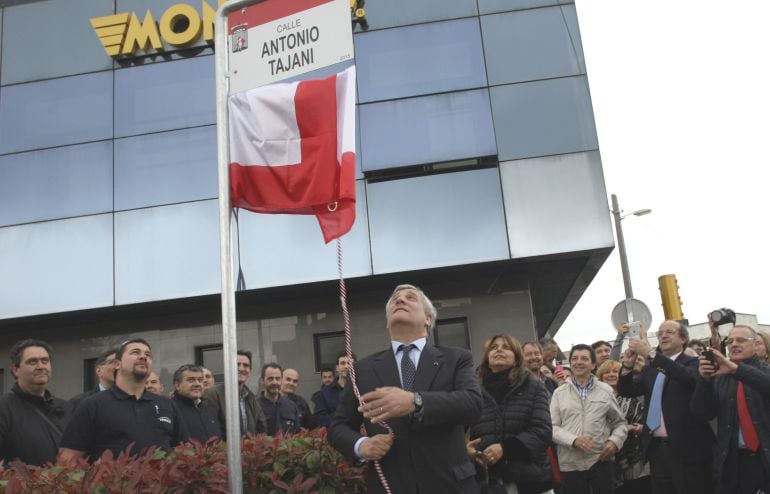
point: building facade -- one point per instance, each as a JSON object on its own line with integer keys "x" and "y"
{"x": 479, "y": 179}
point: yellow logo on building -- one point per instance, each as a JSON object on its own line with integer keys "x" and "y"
{"x": 123, "y": 35}
{"x": 358, "y": 14}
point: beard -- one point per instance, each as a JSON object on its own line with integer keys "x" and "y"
{"x": 139, "y": 374}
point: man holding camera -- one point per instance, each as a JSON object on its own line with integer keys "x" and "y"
{"x": 737, "y": 392}
{"x": 677, "y": 443}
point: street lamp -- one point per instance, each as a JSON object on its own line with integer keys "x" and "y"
{"x": 621, "y": 242}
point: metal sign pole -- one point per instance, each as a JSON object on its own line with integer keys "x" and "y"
{"x": 229, "y": 336}
{"x": 333, "y": 17}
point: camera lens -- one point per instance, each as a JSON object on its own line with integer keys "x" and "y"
{"x": 717, "y": 315}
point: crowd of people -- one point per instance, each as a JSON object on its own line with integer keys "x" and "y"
{"x": 129, "y": 404}
{"x": 682, "y": 417}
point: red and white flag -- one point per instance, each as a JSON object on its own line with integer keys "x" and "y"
{"x": 292, "y": 150}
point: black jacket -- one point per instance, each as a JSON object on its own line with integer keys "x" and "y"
{"x": 201, "y": 420}
{"x": 325, "y": 403}
{"x": 279, "y": 415}
{"x": 521, "y": 423}
{"x": 427, "y": 455}
{"x": 304, "y": 414}
{"x": 717, "y": 398}
{"x": 690, "y": 436}
{"x": 24, "y": 434}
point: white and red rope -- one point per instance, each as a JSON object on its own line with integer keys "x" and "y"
{"x": 349, "y": 353}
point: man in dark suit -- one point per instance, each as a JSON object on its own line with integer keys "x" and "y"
{"x": 737, "y": 393}
{"x": 677, "y": 443}
{"x": 426, "y": 393}
{"x": 105, "y": 375}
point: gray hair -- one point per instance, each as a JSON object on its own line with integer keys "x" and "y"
{"x": 427, "y": 305}
{"x": 752, "y": 331}
{"x": 684, "y": 331}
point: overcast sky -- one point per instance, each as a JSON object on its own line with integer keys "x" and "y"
{"x": 681, "y": 97}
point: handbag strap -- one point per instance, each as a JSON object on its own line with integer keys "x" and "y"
{"x": 45, "y": 417}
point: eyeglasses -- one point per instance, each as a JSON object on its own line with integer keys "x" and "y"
{"x": 738, "y": 339}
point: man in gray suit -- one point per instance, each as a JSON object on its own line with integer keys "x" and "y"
{"x": 426, "y": 393}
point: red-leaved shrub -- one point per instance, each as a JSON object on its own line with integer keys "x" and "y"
{"x": 298, "y": 463}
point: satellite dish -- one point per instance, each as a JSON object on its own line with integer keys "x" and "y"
{"x": 629, "y": 310}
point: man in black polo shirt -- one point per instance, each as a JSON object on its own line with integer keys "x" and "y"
{"x": 200, "y": 419}
{"x": 125, "y": 413}
{"x": 280, "y": 412}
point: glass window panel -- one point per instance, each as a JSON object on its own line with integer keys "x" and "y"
{"x": 428, "y": 58}
{"x": 41, "y": 114}
{"x": 403, "y": 12}
{"x": 52, "y": 39}
{"x": 212, "y": 358}
{"x": 441, "y": 127}
{"x": 490, "y": 6}
{"x": 448, "y": 219}
{"x": 452, "y": 332}
{"x": 295, "y": 251}
{"x": 543, "y": 118}
{"x": 165, "y": 96}
{"x": 570, "y": 14}
{"x": 326, "y": 347}
{"x": 167, "y": 252}
{"x": 56, "y": 183}
{"x": 56, "y": 266}
{"x": 528, "y": 45}
{"x": 359, "y": 171}
{"x": 165, "y": 168}
{"x": 556, "y": 204}
{"x": 89, "y": 373}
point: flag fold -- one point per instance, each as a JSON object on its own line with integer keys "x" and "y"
{"x": 292, "y": 150}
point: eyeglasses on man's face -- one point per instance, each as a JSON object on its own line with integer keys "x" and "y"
{"x": 739, "y": 339}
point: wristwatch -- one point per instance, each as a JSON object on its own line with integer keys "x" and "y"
{"x": 417, "y": 402}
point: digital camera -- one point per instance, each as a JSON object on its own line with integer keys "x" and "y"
{"x": 723, "y": 316}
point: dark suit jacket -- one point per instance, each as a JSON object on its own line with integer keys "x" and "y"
{"x": 428, "y": 455}
{"x": 690, "y": 436}
{"x": 717, "y": 399}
